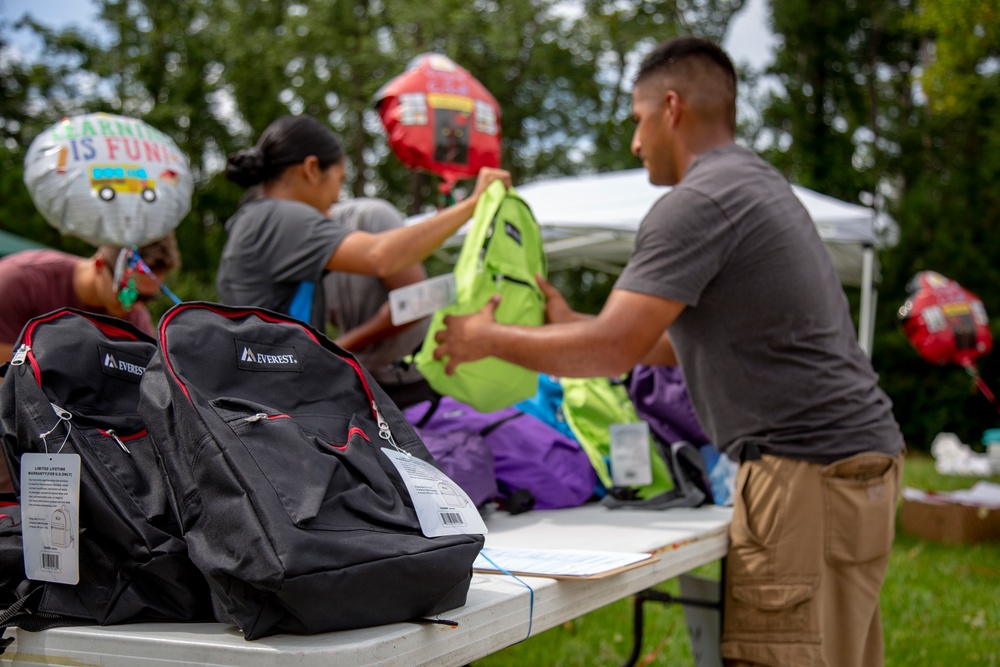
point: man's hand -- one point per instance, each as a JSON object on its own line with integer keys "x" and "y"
{"x": 557, "y": 310}
{"x": 464, "y": 337}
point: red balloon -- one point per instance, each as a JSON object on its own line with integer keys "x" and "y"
{"x": 440, "y": 119}
{"x": 945, "y": 322}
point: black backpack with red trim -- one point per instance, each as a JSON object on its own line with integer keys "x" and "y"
{"x": 11, "y": 565}
{"x": 272, "y": 435}
{"x": 75, "y": 378}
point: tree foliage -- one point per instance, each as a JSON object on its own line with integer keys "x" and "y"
{"x": 896, "y": 102}
{"x": 213, "y": 74}
{"x": 891, "y": 102}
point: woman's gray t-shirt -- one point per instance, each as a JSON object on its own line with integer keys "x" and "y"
{"x": 274, "y": 246}
{"x": 766, "y": 340}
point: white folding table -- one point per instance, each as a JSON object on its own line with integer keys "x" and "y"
{"x": 495, "y": 616}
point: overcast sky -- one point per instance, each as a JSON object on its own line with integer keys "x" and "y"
{"x": 748, "y": 40}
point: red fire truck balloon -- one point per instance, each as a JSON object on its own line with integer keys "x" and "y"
{"x": 945, "y": 322}
{"x": 440, "y": 119}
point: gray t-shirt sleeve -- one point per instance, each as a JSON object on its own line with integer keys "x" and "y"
{"x": 301, "y": 245}
{"x": 274, "y": 246}
{"x": 682, "y": 244}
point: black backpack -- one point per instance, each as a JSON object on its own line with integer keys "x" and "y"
{"x": 133, "y": 561}
{"x": 687, "y": 470}
{"x": 11, "y": 565}
{"x": 271, "y": 436}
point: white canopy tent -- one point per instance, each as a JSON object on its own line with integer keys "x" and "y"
{"x": 592, "y": 220}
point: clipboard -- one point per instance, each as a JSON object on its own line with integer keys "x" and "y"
{"x": 559, "y": 563}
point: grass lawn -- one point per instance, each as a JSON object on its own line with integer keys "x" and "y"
{"x": 940, "y": 606}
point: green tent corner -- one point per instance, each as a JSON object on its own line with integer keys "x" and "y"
{"x": 11, "y": 243}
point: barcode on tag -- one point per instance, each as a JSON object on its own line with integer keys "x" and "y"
{"x": 452, "y": 518}
{"x": 50, "y": 561}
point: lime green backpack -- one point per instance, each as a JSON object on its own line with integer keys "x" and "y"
{"x": 502, "y": 253}
{"x": 591, "y": 406}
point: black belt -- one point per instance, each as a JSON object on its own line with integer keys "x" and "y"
{"x": 750, "y": 452}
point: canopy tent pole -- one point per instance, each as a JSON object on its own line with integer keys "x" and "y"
{"x": 866, "y": 327}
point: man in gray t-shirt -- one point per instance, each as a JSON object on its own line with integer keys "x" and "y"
{"x": 766, "y": 330}
{"x": 358, "y": 305}
{"x": 729, "y": 279}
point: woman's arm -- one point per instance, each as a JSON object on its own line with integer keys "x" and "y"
{"x": 390, "y": 252}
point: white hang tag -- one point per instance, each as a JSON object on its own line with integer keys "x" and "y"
{"x": 50, "y": 515}
{"x": 419, "y": 300}
{"x": 443, "y": 508}
{"x": 630, "y": 459}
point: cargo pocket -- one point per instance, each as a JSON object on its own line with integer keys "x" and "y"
{"x": 772, "y": 611}
{"x": 859, "y": 499}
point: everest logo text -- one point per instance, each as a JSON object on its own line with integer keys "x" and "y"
{"x": 254, "y": 356}
{"x": 122, "y": 364}
{"x": 248, "y": 355}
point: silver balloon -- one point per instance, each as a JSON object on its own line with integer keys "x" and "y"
{"x": 108, "y": 179}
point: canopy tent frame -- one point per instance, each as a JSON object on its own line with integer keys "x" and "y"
{"x": 591, "y": 221}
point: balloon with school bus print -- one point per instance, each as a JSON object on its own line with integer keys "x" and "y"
{"x": 108, "y": 179}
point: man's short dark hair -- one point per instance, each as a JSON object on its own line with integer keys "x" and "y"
{"x": 700, "y": 70}
{"x": 675, "y": 51}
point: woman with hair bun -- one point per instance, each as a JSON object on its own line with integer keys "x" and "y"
{"x": 281, "y": 241}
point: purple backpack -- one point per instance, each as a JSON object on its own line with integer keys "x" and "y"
{"x": 529, "y": 455}
{"x": 660, "y": 396}
{"x": 462, "y": 454}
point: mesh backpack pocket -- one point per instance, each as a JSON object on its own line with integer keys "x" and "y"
{"x": 272, "y": 438}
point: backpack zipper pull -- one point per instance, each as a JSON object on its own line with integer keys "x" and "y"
{"x": 383, "y": 430}
{"x": 253, "y": 419}
{"x": 114, "y": 436}
{"x": 20, "y": 355}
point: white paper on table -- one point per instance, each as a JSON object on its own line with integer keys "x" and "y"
{"x": 558, "y": 563}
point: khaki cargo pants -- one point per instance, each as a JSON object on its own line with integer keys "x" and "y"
{"x": 808, "y": 554}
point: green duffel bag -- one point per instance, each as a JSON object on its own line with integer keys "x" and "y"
{"x": 502, "y": 253}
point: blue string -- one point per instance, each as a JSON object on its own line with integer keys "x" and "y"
{"x": 166, "y": 290}
{"x": 531, "y": 591}
{"x": 142, "y": 266}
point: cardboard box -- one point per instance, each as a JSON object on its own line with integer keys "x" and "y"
{"x": 951, "y": 523}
